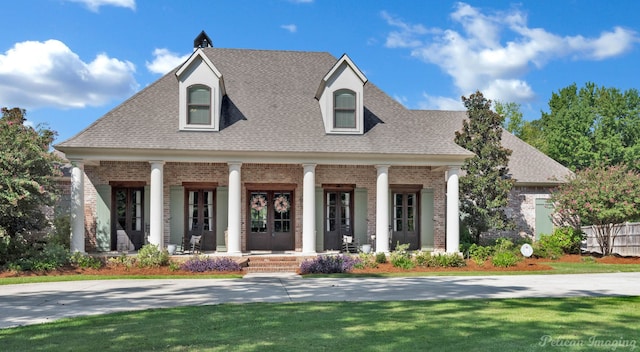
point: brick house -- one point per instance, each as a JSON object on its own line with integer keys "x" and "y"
{"x": 276, "y": 151}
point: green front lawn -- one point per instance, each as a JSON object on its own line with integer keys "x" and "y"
{"x": 81, "y": 277}
{"x": 585, "y": 324}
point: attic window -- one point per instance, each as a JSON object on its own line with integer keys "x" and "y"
{"x": 199, "y": 105}
{"x": 344, "y": 109}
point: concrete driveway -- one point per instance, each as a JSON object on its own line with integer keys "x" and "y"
{"x": 45, "y": 302}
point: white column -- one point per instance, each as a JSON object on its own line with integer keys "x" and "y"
{"x": 235, "y": 208}
{"x": 309, "y": 209}
{"x": 77, "y": 207}
{"x": 382, "y": 209}
{"x": 156, "y": 200}
{"x": 453, "y": 211}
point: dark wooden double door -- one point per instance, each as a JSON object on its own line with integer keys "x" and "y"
{"x": 270, "y": 225}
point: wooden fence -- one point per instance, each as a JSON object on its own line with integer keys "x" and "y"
{"x": 626, "y": 241}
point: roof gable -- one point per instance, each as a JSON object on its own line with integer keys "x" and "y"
{"x": 191, "y": 61}
{"x": 343, "y": 62}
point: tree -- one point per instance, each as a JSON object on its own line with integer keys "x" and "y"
{"x": 485, "y": 187}
{"x": 26, "y": 174}
{"x": 528, "y": 131}
{"x": 601, "y": 196}
{"x": 591, "y": 126}
{"x": 512, "y": 116}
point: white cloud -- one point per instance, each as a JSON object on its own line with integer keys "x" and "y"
{"x": 48, "y": 74}
{"x": 440, "y": 103}
{"x": 290, "y": 27}
{"x": 165, "y": 61}
{"x": 407, "y": 35}
{"x": 94, "y": 5}
{"x": 477, "y": 57}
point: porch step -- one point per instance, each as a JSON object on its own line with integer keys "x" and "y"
{"x": 273, "y": 264}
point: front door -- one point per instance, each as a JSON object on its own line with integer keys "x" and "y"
{"x": 127, "y": 232}
{"x": 270, "y": 224}
{"x": 405, "y": 220}
{"x": 201, "y": 217}
{"x": 338, "y": 218}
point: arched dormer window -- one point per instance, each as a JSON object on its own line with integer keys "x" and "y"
{"x": 344, "y": 109}
{"x": 199, "y": 105}
{"x": 341, "y": 98}
{"x": 201, "y": 89}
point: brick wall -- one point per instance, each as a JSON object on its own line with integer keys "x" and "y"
{"x": 522, "y": 210}
{"x": 363, "y": 176}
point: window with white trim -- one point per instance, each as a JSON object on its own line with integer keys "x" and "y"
{"x": 344, "y": 109}
{"x": 199, "y": 105}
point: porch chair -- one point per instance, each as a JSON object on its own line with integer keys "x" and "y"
{"x": 193, "y": 244}
{"x": 349, "y": 244}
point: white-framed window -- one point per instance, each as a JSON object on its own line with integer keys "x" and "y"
{"x": 341, "y": 98}
{"x": 201, "y": 91}
{"x": 344, "y": 108}
{"x": 199, "y": 105}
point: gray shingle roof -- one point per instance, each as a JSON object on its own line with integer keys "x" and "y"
{"x": 527, "y": 165}
{"x": 270, "y": 106}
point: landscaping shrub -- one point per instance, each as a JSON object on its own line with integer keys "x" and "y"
{"x": 381, "y": 258}
{"x": 504, "y": 259}
{"x": 13, "y": 249}
{"x": 123, "y": 260}
{"x": 546, "y": 247}
{"x": 564, "y": 240}
{"x": 366, "y": 260}
{"x": 62, "y": 231}
{"x": 422, "y": 258}
{"x": 480, "y": 254}
{"x": 401, "y": 257}
{"x": 50, "y": 257}
{"x": 85, "y": 261}
{"x": 328, "y": 264}
{"x": 201, "y": 264}
{"x": 504, "y": 253}
{"x": 150, "y": 256}
{"x": 447, "y": 260}
{"x": 503, "y": 245}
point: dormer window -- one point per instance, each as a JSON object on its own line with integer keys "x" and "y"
{"x": 199, "y": 105}
{"x": 344, "y": 109}
{"x": 341, "y": 98}
{"x": 201, "y": 92}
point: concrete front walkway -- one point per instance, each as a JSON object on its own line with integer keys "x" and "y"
{"x": 45, "y": 302}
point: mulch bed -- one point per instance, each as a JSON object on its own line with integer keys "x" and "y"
{"x": 529, "y": 264}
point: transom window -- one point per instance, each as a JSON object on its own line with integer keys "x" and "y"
{"x": 199, "y": 105}
{"x": 344, "y": 109}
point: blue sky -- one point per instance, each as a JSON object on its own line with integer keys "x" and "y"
{"x": 68, "y": 62}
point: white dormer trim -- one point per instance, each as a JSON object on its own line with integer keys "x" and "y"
{"x": 343, "y": 76}
{"x": 198, "y": 70}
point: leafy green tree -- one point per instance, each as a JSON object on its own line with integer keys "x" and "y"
{"x": 590, "y": 126}
{"x": 528, "y": 131}
{"x": 513, "y": 121}
{"x": 617, "y": 128}
{"x": 27, "y": 168}
{"x": 485, "y": 187}
{"x": 568, "y": 127}
{"x": 602, "y": 196}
